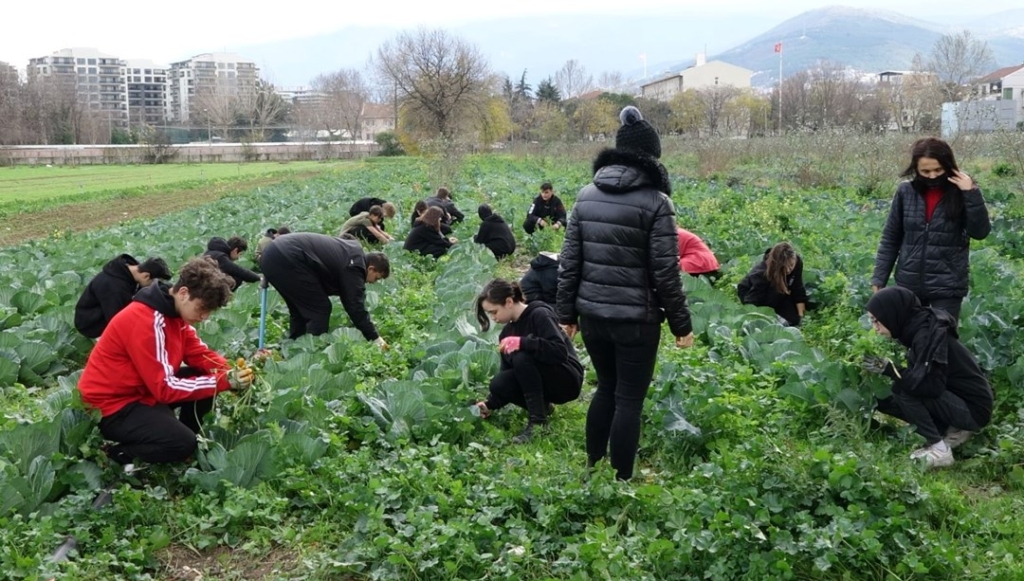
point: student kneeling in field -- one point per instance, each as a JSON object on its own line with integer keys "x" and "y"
{"x": 112, "y": 289}
{"x": 494, "y": 233}
{"x": 134, "y": 375}
{"x": 942, "y": 392}
{"x": 426, "y": 237}
{"x": 269, "y": 236}
{"x": 777, "y": 282}
{"x": 367, "y": 226}
{"x": 226, "y": 253}
{"x": 539, "y": 366}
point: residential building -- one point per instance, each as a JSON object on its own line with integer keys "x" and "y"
{"x": 8, "y": 74}
{"x": 702, "y": 75}
{"x": 98, "y": 80}
{"x": 377, "y": 118}
{"x": 148, "y": 93}
{"x": 299, "y": 95}
{"x": 1006, "y": 83}
{"x": 208, "y": 80}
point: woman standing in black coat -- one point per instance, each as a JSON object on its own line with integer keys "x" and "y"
{"x": 942, "y": 392}
{"x": 928, "y": 233}
{"x": 619, "y": 279}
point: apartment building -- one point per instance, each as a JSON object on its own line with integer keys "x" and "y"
{"x": 702, "y": 75}
{"x": 210, "y": 77}
{"x": 97, "y": 79}
{"x": 149, "y": 102}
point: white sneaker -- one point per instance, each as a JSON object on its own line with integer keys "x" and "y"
{"x": 956, "y": 436}
{"x": 935, "y": 456}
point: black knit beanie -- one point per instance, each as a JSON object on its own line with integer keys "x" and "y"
{"x": 637, "y": 134}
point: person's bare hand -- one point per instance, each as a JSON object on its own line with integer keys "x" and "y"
{"x": 570, "y": 330}
{"x": 683, "y": 342}
{"x": 962, "y": 180}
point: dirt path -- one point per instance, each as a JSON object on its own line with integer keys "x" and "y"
{"x": 79, "y": 217}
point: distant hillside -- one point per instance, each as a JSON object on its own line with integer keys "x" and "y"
{"x": 867, "y": 40}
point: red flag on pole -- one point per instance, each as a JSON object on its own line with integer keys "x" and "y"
{"x": 778, "y": 47}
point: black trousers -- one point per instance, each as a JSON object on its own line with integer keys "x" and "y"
{"x": 531, "y": 386}
{"x": 309, "y": 307}
{"x": 930, "y": 416}
{"x": 950, "y": 305}
{"x": 153, "y": 433}
{"x": 623, "y": 355}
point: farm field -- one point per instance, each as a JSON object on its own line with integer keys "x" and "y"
{"x": 758, "y": 458}
{"x": 22, "y": 184}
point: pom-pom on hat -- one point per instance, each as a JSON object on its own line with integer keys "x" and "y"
{"x": 637, "y": 134}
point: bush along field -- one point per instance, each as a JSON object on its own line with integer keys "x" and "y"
{"x": 758, "y": 458}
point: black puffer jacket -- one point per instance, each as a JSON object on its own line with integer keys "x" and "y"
{"x": 931, "y": 258}
{"x": 620, "y": 258}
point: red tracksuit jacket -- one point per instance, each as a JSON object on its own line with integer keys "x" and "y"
{"x": 141, "y": 350}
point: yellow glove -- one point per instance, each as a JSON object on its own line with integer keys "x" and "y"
{"x": 240, "y": 378}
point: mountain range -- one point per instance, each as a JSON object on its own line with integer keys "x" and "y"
{"x": 864, "y": 40}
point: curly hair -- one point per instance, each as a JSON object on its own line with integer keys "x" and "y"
{"x": 204, "y": 281}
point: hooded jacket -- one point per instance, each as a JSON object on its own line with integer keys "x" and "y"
{"x": 106, "y": 294}
{"x": 448, "y": 206}
{"x": 495, "y": 234}
{"x": 218, "y": 249}
{"x": 364, "y": 204}
{"x": 339, "y": 265}
{"x": 551, "y": 211}
{"x": 542, "y": 338}
{"x": 540, "y": 283}
{"x": 694, "y": 256}
{"x": 936, "y": 359}
{"x": 140, "y": 352}
{"x": 620, "y": 258}
{"x": 931, "y": 257}
{"x": 756, "y": 289}
{"x": 427, "y": 241}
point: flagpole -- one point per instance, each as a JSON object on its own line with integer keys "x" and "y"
{"x": 780, "y": 88}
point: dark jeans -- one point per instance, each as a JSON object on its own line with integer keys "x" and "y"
{"x": 931, "y": 416}
{"x": 951, "y": 306}
{"x": 152, "y": 433}
{"x": 532, "y": 386}
{"x": 623, "y": 355}
{"x": 309, "y": 307}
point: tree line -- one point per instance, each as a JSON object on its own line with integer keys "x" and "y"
{"x": 435, "y": 85}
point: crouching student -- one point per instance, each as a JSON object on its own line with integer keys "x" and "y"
{"x": 494, "y": 233}
{"x": 540, "y": 283}
{"x": 112, "y": 289}
{"x": 539, "y": 366}
{"x": 777, "y": 282}
{"x": 942, "y": 392}
{"x": 135, "y": 375}
{"x": 695, "y": 258}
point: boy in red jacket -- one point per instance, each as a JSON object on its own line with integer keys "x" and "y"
{"x": 134, "y": 375}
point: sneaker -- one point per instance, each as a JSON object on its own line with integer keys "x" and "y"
{"x": 527, "y": 434}
{"x": 956, "y": 436}
{"x": 934, "y": 456}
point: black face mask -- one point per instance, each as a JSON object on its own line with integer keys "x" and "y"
{"x": 937, "y": 182}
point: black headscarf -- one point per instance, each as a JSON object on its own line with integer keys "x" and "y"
{"x": 923, "y": 329}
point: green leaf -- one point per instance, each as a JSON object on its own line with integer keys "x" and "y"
{"x": 10, "y": 365}
{"x": 27, "y": 302}
{"x": 25, "y": 442}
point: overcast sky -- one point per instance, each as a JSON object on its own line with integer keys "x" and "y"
{"x": 177, "y": 29}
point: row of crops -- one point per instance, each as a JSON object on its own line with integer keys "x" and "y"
{"x": 757, "y": 461}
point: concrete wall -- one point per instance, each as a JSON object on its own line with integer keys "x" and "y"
{"x": 186, "y": 153}
{"x": 979, "y": 117}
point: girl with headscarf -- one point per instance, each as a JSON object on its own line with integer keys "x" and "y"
{"x": 942, "y": 391}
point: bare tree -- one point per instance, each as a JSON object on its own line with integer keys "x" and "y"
{"x": 442, "y": 81}
{"x": 263, "y": 107}
{"x": 715, "y": 100}
{"x": 611, "y": 81}
{"x": 338, "y": 105}
{"x": 573, "y": 80}
{"x": 833, "y": 99}
{"x": 12, "y": 107}
{"x": 958, "y": 59}
{"x": 218, "y": 106}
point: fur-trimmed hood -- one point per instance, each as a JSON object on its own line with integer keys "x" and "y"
{"x": 617, "y": 170}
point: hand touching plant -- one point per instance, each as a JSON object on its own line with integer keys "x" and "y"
{"x": 509, "y": 345}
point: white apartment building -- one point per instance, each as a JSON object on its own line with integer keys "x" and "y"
{"x": 97, "y": 78}
{"x": 220, "y": 74}
{"x": 702, "y": 75}
{"x": 149, "y": 93}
